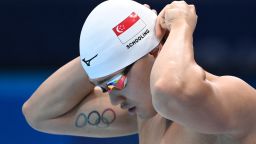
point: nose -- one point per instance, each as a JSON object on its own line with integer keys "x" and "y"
{"x": 116, "y": 99}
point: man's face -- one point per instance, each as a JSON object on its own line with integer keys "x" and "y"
{"x": 135, "y": 96}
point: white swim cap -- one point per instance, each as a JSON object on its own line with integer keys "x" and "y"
{"x": 115, "y": 34}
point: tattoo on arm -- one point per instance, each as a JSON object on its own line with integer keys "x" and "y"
{"x": 94, "y": 118}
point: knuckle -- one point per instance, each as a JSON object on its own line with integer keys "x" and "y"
{"x": 183, "y": 2}
{"x": 192, "y": 7}
{"x": 154, "y": 11}
{"x": 168, "y": 11}
{"x": 174, "y": 3}
{"x": 146, "y": 5}
{"x": 179, "y": 2}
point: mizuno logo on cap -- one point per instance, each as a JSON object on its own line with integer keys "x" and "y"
{"x": 88, "y": 62}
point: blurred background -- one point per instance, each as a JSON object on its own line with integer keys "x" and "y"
{"x": 39, "y": 36}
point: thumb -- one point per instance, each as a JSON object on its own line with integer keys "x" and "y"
{"x": 160, "y": 28}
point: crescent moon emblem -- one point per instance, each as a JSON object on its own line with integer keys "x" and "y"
{"x": 119, "y": 29}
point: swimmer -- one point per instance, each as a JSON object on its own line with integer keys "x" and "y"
{"x": 137, "y": 74}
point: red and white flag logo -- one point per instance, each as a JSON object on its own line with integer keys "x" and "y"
{"x": 129, "y": 27}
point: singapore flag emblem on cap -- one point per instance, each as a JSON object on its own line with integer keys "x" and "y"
{"x": 129, "y": 27}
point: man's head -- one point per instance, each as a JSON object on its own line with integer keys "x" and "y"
{"x": 116, "y": 34}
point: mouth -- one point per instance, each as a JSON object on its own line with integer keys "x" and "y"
{"x": 132, "y": 110}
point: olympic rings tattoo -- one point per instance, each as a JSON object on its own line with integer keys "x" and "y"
{"x": 105, "y": 120}
{"x": 81, "y": 115}
{"x": 95, "y": 119}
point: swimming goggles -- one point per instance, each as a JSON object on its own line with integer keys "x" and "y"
{"x": 118, "y": 82}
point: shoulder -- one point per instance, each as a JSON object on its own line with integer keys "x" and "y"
{"x": 235, "y": 84}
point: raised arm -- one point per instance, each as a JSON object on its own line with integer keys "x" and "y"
{"x": 183, "y": 92}
{"x": 66, "y": 103}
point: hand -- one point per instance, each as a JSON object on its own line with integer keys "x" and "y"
{"x": 174, "y": 15}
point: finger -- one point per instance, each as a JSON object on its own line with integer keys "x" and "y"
{"x": 146, "y": 5}
{"x": 162, "y": 12}
{"x": 179, "y": 2}
{"x": 192, "y": 7}
{"x": 183, "y": 1}
{"x": 98, "y": 91}
{"x": 176, "y": 4}
{"x": 154, "y": 11}
{"x": 160, "y": 28}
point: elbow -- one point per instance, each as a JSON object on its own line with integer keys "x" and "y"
{"x": 175, "y": 91}
{"x": 182, "y": 87}
{"x": 165, "y": 87}
{"x": 30, "y": 117}
{"x": 164, "y": 96}
{"x": 168, "y": 95}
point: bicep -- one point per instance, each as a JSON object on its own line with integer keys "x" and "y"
{"x": 95, "y": 116}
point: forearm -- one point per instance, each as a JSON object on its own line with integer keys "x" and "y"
{"x": 178, "y": 47}
{"x": 59, "y": 93}
{"x": 175, "y": 63}
{"x": 176, "y": 80}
